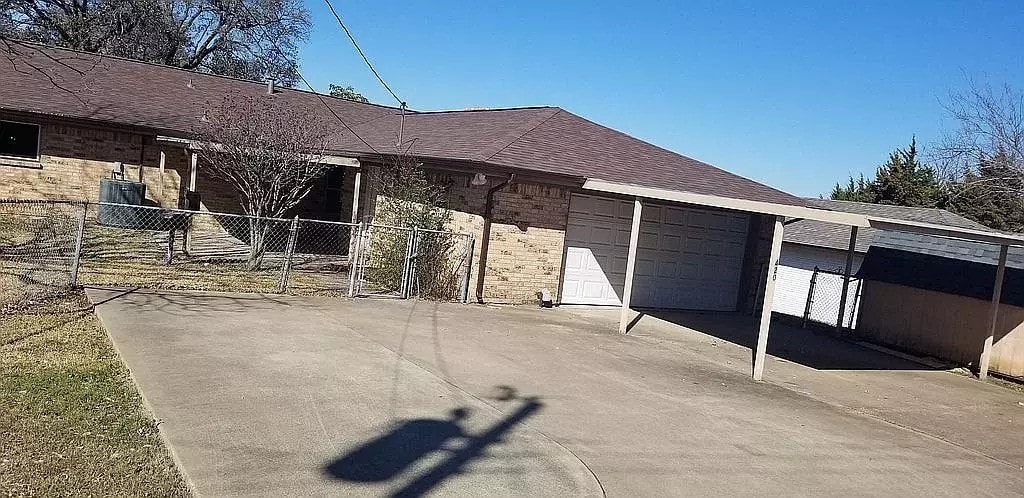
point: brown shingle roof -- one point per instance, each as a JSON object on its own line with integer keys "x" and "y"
{"x": 542, "y": 139}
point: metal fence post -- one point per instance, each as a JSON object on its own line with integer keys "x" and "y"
{"x": 464, "y": 293}
{"x": 810, "y": 297}
{"x": 364, "y": 254}
{"x": 856, "y": 301}
{"x": 289, "y": 249}
{"x": 406, "y": 265}
{"x": 354, "y": 254}
{"x": 414, "y": 263}
{"x": 79, "y": 240}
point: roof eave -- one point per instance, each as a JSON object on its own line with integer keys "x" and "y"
{"x": 759, "y": 207}
{"x": 793, "y": 211}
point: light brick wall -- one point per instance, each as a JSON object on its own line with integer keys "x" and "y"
{"x": 73, "y": 159}
{"x": 527, "y": 240}
{"x": 527, "y": 234}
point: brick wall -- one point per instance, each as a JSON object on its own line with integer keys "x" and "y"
{"x": 527, "y": 239}
{"x": 527, "y": 234}
{"x": 73, "y": 159}
{"x": 527, "y": 231}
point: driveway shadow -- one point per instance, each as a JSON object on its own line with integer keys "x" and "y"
{"x": 811, "y": 348}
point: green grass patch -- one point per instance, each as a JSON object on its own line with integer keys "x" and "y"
{"x": 72, "y": 422}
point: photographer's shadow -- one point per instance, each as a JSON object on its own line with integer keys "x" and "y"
{"x": 388, "y": 455}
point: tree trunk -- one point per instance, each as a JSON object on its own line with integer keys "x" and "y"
{"x": 258, "y": 229}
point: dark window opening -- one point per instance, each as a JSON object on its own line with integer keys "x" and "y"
{"x": 19, "y": 140}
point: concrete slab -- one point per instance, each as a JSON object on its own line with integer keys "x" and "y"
{"x": 978, "y": 416}
{"x": 262, "y": 396}
{"x": 283, "y": 396}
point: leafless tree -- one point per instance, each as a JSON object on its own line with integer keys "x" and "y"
{"x": 985, "y": 151}
{"x": 252, "y": 39}
{"x": 270, "y": 152}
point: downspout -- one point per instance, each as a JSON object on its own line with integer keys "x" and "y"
{"x": 485, "y": 238}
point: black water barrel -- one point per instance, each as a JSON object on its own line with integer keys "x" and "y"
{"x": 122, "y": 192}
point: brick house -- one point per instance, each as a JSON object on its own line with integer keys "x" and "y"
{"x": 555, "y": 200}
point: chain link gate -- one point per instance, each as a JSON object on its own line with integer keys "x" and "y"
{"x": 824, "y": 296}
{"x": 404, "y": 262}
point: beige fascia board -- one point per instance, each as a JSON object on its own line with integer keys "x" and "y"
{"x": 838, "y": 217}
{"x": 749, "y": 206}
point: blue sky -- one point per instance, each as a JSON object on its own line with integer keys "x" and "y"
{"x": 793, "y": 94}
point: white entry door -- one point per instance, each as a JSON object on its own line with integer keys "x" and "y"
{"x": 686, "y": 258}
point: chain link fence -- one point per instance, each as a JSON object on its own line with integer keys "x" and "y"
{"x": 48, "y": 247}
{"x": 824, "y": 297}
{"x": 37, "y": 251}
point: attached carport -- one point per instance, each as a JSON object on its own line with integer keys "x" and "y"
{"x": 639, "y": 254}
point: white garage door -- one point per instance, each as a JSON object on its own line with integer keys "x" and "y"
{"x": 686, "y": 258}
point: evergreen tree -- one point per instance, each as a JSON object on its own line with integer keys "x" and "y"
{"x": 902, "y": 181}
{"x": 347, "y": 92}
{"x": 905, "y": 181}
{"x": 858, "y": 190}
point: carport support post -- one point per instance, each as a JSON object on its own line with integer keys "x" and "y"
{"x": 769, "y": 297}
{"x": 846, "y": 279}
{"x": 193, "y": 171}
{"x": 997, "y": 292}
{"x": 627, "y": 290}
{"x": 355, "y": 195}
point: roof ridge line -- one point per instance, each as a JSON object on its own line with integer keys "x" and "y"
{"x": 527, "y": 132}
{"x": 491, "y": 109}
{"x": 679, "y": 154}
{"x": 42, "y": 46}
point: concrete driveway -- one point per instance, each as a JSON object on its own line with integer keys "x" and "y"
{"x": 271, "y": 395}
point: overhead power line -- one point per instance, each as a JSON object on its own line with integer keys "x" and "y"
{"x": 363, "y": 55}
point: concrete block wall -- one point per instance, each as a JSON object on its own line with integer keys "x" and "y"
{"x": 74, "y": 157}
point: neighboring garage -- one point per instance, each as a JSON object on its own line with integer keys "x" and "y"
{"x": 687, "y": 258}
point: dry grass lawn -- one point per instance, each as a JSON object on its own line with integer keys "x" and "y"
{"x": 72, "y": 422}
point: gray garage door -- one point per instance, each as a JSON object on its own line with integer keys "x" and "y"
{"x": 687, "y": 258}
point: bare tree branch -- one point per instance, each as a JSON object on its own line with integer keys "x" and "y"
{"x": 989, "y": 132}
{"x": 271, "y": 153}
{"x": 218, "y": 36}
{"x": 26, "y": 58}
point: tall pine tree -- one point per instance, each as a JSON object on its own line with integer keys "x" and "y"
{"x": 902, "y": 181}
{"x": 858, "y": 190}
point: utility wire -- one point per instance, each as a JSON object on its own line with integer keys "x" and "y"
{"x": 363, "y": 55}
{"x": 332, "y": 111}
{"x": 284, "y": 56}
